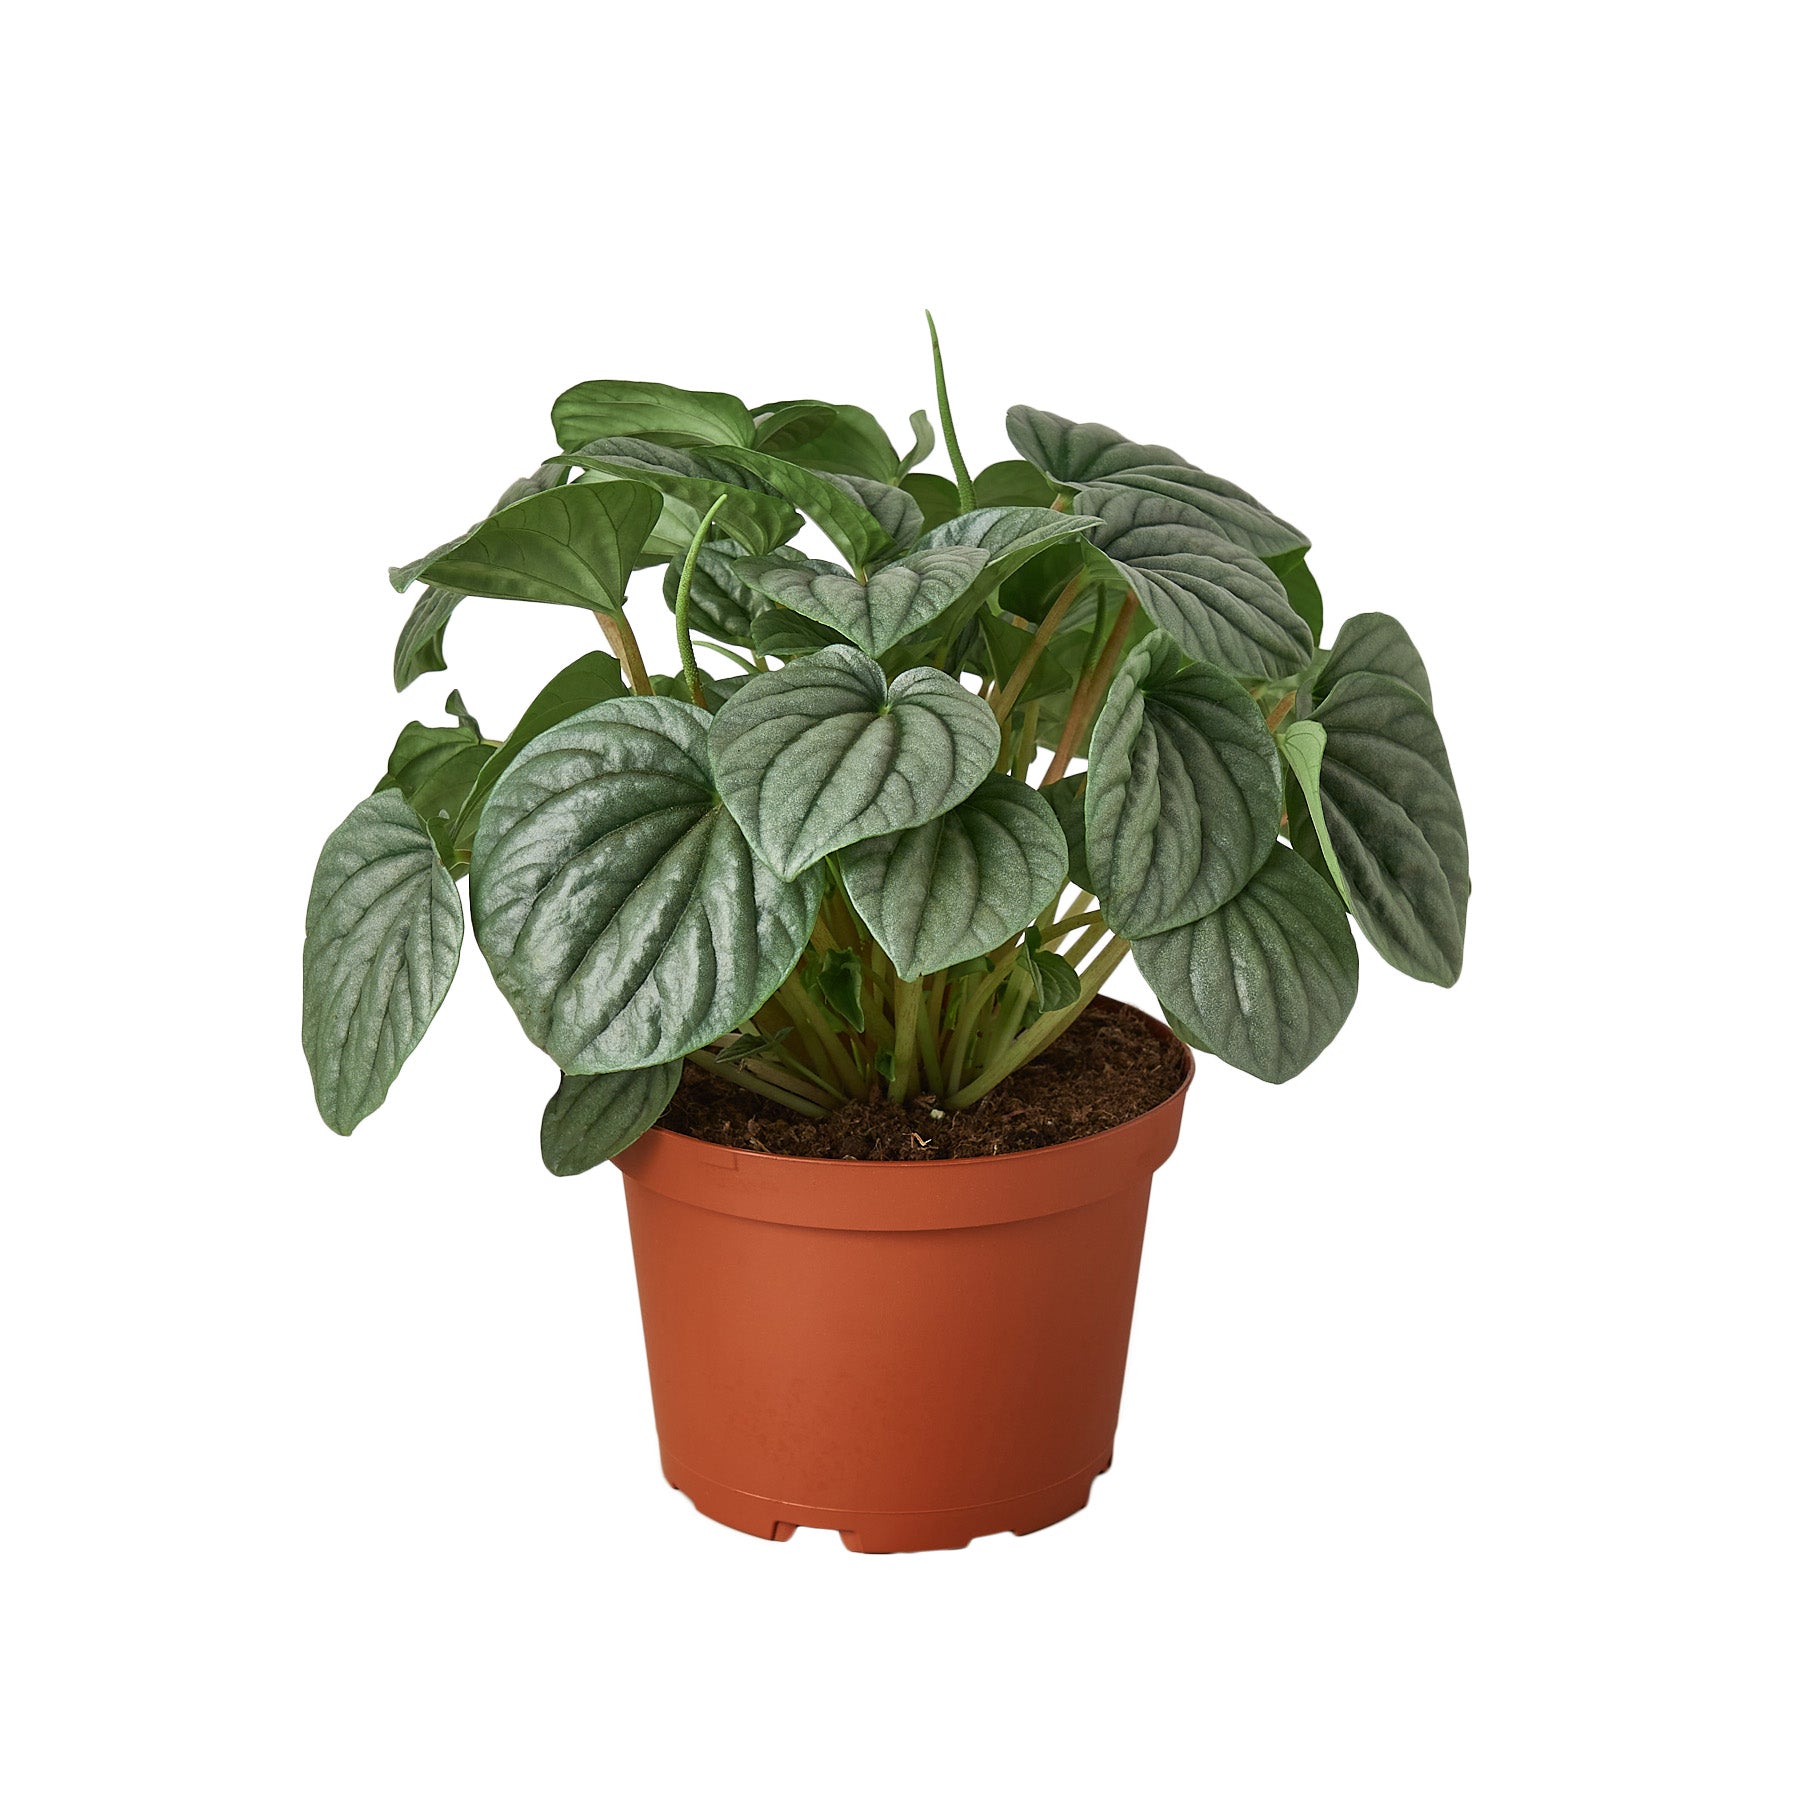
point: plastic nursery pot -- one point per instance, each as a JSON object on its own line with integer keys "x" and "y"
{"x": 909, "y": 1354}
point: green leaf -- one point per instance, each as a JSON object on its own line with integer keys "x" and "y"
{"x": 572, "y": 546}
{"x": 1218, "y": 602}
{"x": 788, "y": 635}
{"x": 902, "y": 597}
{"x": 1303, "y": 745}
{"x": 825, "y": 753}
{"x": 895, "y": 510}
{"x": 585, "y": 682}
{"x": 840, "y": 982}
{"x": 690, "y": 483}
{"x": 1013, "y": 483}
{"x": 383, "y": 930}
{"x": 924, "y": 442}
{"x": 591, "y": 1118}
{"x": 435, "y": 767}
{"x": 1004, "y": 641}
{"x": 936, "y": 497}
{"x": 839, "y": 514}
{"x": 420, "y": 648}
{"x": 615, "y": 898}
{"x": 720, "y": 605}
{"x": 1089, "y": 456}
{"x": 1395, "y": 823}
{"x": 853, "y": 444}
{"x": 1374, "y": 644}
{"x": 1055, "y": 981}
{"x": 1266, "y": 980}
{"x": 1067, "y": 801}
{"x": 648, "y": 409}
{"x": 1012, "y": 536}
{"x": 962, "y": 883}
{"x": 794, "y": 423}
{"x": 1301, "y": 589}
{"x": 1184, "y": 791}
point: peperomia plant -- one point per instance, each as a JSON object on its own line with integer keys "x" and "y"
{"x": 829, "y": 874}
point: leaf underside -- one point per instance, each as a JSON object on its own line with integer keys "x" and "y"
{"x": 591, "y": 1118}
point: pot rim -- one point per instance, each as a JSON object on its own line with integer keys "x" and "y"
{"x": 848, "y": 1193}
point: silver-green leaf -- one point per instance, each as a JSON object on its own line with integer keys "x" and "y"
{"x": 836, "y": 510}
{"x": 1091, "y": 458}
{"x": 1219, "y": 602}
{"x": 591, "y": 1118}
{"x": 1376, "y": 645}
{"x": 825, "y": 753}
{"x": 962, "y": 883}
{"x": 1184, "y": 791}
{"x": 617, "y": 901}
{"x": 1391, "y": 811}
{"x": 690, "y": 484}
{"x": 903, "y": 597}
{"x": 383, "y": 930}
{"x": 1266, "y": 980}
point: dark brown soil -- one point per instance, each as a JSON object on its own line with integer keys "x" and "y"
{"x": 1108, "y": 1067}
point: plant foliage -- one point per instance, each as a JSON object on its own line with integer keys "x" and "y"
{"x": 1074, "y": 704}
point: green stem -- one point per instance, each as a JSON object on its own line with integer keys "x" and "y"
{"x": 1073, "y": 922}
{"x": 1040, "y": 642}
{"x": 804, "y": 1013}
{"x": 1045, "y": 1032}
{"x": 965, "y": 488}
{"x": 930, "y": 1024}
{"x": 1091, "y": 692}
{"x": 742, "y": 1078}
{"x": 906, "y": 1036}
{"x": 624, "y": 645}
{"x": 1026, "y": 748}
{"x": 683, "y": 593}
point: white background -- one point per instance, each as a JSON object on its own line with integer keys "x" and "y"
{"x": 1458, "y": 1455}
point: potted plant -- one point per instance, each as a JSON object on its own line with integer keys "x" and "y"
{"x": 836, "y": 903}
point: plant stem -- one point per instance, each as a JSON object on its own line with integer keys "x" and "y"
{"x": 1091, "y": 690}
{"x": 930, "y": 1024}
{"x": 741, "y": 1078}
{"x": 683, "y": 593}
{"x": 965, "y": 488}
{"x": 624, "y": 644}
{"x": 799, "y": 1004}
{"x": 1045, "y": 1032}
{"x": 1026, "y": 748}
{"x": 1040, "y": 642}
{"x": 906, "y": 1036}
{"x": 1073, "y": 922}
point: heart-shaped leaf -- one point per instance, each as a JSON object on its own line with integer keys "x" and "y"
{"x": 585, "y": 682}
{"x": 785, "y": 635}
{"x": 825, "y": 753}
{"x": 839, "y": 981}
{"x": 615, "y": 898}
{"x": 591, "y": 1118}
{"x": 572, "y": 546}
{"x": 1218, "y": 602}
{"x": 756, "y": 520}
{"x": 1391, "y": 810}
{"x": 383, "y": 931}
{"x": 1376, "y": 645}
{"x": 903, "y": 597}
{"x": 1086, "y": 456}
{"x": 837, "y": 512}
{"x": 962, "y": 883}
{"x": 435, "y": 767}
{"x": 895, "y": 510}
{"x": 1183, "y": 794}
{"x": 648, "y": 409}
{"x": 1012, "y": 536}
{"x": 1266, "y": 980}
{"x": 1055, "y": 981}
{"x": 420, "y": 648}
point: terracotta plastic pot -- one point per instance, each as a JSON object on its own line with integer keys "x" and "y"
{"x": 910, "y": 1354}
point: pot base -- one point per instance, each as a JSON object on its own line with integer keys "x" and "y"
{"x": 880, "y": 1533}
